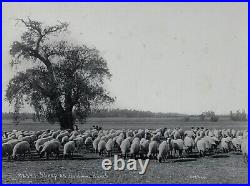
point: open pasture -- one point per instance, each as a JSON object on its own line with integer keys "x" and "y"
{"x": 85, "y": 167}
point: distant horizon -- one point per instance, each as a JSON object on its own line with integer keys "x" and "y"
{"x": 177, "y": 113}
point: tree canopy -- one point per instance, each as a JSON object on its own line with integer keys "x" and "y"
{"x": 64, "y": 77}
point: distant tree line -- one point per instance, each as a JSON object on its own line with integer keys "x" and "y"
{"x": 130, "y": 113}
{"x": 238, "y": 115}
{"x": 211, "y": 116}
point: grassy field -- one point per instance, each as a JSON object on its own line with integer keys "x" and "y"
{"x": 133, "y": 123}
{"x": 86, "y": 166}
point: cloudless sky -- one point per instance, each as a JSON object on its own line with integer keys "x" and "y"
{"x": 164, "y": 57}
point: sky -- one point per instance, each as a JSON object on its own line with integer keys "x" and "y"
{"x": 164, "y": 57}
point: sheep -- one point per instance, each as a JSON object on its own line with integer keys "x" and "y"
{"x": 144, "y": 144}
{"x": 239, "y": 133}
{"x": 148, "y": 135}
{"x": 233, "y": 132}
{"x": 61, "y": 135}
{"x": 75, "y": 133}
{"x": 50, "y": 147}
{"x": 125, "y": 147}
{"x": 181, "y": 132}
{"x": 79, "y": 142}
{"x": 156, "y": 137}
{"x": 101, "y": 147}
{"x": 68, "y": 149}
{"x": 245, "y": 135}
{"x": 40, "y": 142}
{"x": 7, "y": 150}
{"x": 201, "y": 147}
{"x": 136, "y": 139}
{"x": 163, "y": 149}
{"x": 209, "y": 143}
{"x": 65, "y": 139}
{"x": 13, "y": 142}
{"x": 71, "y": 138}
{"x": 166, "y": 134}
{"x": 178, "y": 145}
{"x": 189, "y": 143}
{"x": 55, "y": 134}
{"x": 129, "y": 133}
{"x": 88, "y": 142}
{"x": 21, "y": 148}
{"x": 237, "y": 143}
{"x": 135, "y": 148}
{"x": 152, "y": 149}
{"x": 244, "y": 149}
{"x": 94, "y": 134}
{"x": 189, "y": 133}
{"x": 109, "y": 147}
{"x": 95, "y": 144}
{"x": 119, "y": 140}
{"x": 30, "y": 139}
{"x": 225, "y": 144}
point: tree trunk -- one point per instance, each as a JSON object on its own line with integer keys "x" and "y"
{"x": 66, "y": 120}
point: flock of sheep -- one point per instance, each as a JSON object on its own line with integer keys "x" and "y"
{"x": 154, "y": 144}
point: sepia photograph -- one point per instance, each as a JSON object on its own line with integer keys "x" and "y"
{"x": 125, "y": 92}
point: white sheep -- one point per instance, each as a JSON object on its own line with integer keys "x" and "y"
{"x": 40, "y": 142}
{"x": 225, "y": 144}
{"x": 101, "y": 147}
{"x": 189, "y": 143}
{"x": 21, "y": 148}
{"x": 68, "y": 149}
{"x": 109, "y": 147}
{"x": 209, "y": 143}
{"x": 144, "y": 144}
{"x": 50, "y": 147}
{"x": 201, "y": 147}
{"x": 119, "y": 140}
{"x": 79, "y": 142}
{"x": 61, "y": 135}
{"x": 88, "y": 142}
{"x": 95, "y": 144}
{"x": 237, "y": 143}
{"x": 135, "y": 148}
{"x": 164, "y": 149}
{"x": 136, "y": 139}
{"x": 153, "y": 149}
{"x": 125, "y": 147}
{"x": 244, "y": 149}
{"x": 178, "y": 145}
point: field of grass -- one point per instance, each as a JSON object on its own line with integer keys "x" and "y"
{"x": 133, "y": 123}
{"x": 86, "y": 166}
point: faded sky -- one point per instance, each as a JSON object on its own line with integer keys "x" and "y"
{"x": 164, "y": 57}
